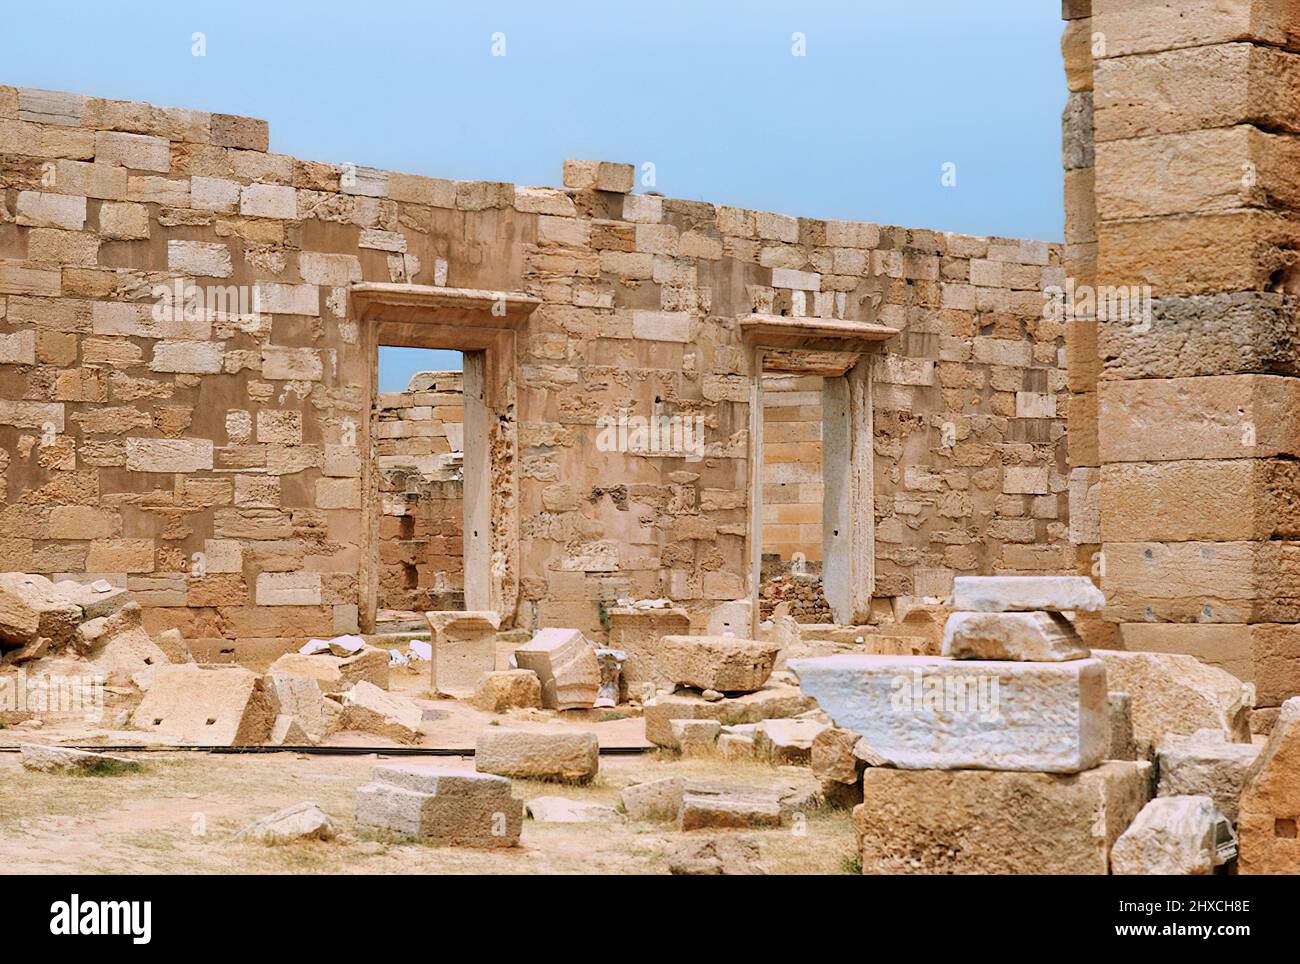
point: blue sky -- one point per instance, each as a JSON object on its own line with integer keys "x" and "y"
{"x": 708, "y": 91}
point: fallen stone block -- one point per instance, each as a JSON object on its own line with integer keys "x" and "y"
{"x": 173, "y": 646}
{"x": 722, "y": 663}
{"x": 121, "y": 649}
{"x": 695, "y": 737}
{"x": 64, "y": 759}
{"x": 927, "y": 712}
{"x": 336, "y": 674}
{"x": 732, "y": 618}
{"x": 563, "y": 810}
{"x": 786, "y": 742}
{"x": 1031, "y": 637}
{"x": 563, "y": 756}
{"x": 703, "y": 809}
{"x": 96, "y": 599}
{"x": 441, "y": 805}
{"x": 658, "y": 801}
{"x": 302, "y": 821}
{"x": 368, "y": 708}
{"x": 32, "y": 607}
{"x": 996, "y": 822}
{"x": 464, "y": 648}
{"x": 206, "y": 706}
{"x": 770, "y": 702}
{"x": 506, "y": 689}
{"x": 1173, "y": 693}
{"x": 831, "y": 756}
{"x": 734, "y": 745}
{"x": 637, "y": 632}
{"x": 1004, "y": 594}
{"x": 1205, "y": 764}
{"x": 726, "y": 855}
{"x": 286, "y": 731}
{"x": 1268, "y": 819}
{"x": 1170, "y": 836}
{"x": 300, "y": 698}
{"x": 566, "y": 664}
{"x": 1123, "y": 746}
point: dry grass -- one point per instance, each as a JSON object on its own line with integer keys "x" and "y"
{"x": 180, "y": 814}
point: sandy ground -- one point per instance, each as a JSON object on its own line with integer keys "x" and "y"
{"x": 181, "y": 814}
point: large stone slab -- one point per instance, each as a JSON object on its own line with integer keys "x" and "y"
{"x": 464, "y": 648}
{"x": 1268, "y": 822}
{"x": 720, "y": 855}
{"x": 655, "y": 800}
{"x": 565, "y": 661}
{"x": 1205, "y": 764}
{"x": 637, "y": 632}
{"x": 336, "y": 674}
{"x": 1171, "y": 836}
{"x": 786, "y": 742}
{"x": 506, "y": 689}
{"x": 1003, "y": 594}
{"x": 368, "y": 708}
{"x": 927, "y": 712}
{"x": 1173, "y": 693}
{"x": 32, "y": 606}
{"x": 723, "y": 663}
{"x": 65, "y": 759}
{"x": 571, "y": 756}
{"x": 774, "y": 701}
{"x": 206, "y": 706}
{"x": 991, "y": 822}
{"x": 1046, "y": 637}
{"x": 300, "y": 698}
{"x": 441, "y": 805}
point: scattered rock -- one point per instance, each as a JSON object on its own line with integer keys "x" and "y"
{"x": 770, "y": 702}
{"x": 440, "y": 805}
{"x": 655, "y": 800}
{"x": 368, "y": 708}
{"x": 723, "y": 663}
{"x": 300, "y": 698}
{"x": 719, "y": 855}
{"x": 786, "y": 742}
{"x": 695, "y": 737}
{"x": 1119, "y": 707}
{"x": 336, "y": 674}
{"x": 302, "y": 821}
{"x": 566, "y": 664}
{"x": 464, "y": 648}
{"x": 831, "y": 756}
{"x": 563, "y": 810}
{"x": 1033, "y": 637}
{"x": 506, "y": 689}
{"x": 64, "y": 759}
{"x": 563, "y": 756}
{"x": 1170, "y": 836}
{"x": 206, "y": 706}
{"x": 1268, "y": 821}
{"x": 1205, "y": 764}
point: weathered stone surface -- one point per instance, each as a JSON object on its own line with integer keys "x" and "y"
{"x": 831, "y": 756}
{"x": 725, "y": 855}
{"x": 562, "y": 810}
{"x": 1123, "y": 745}
{"x": 440, "y": 805}
{"x": 206, "y": 706}
{"x": 728, "y": 808}
{"x": 506, "y": 689}
{"x": 1149, "y": 26}
{"x": 120, "y": 648}
{"x": 1046, "y": 637}
{"x": 31, "y": 606}
{"x": 926, "y": 712}
{"x": 564, "y": 756}
{"x": 1172, "y": 693}
{"x": 300, "y": 698}
{"x": 1205, "y": 764}
{"x": 786, "y": 742}
{"x": 722, "y": 663}
{"x": 637, "y": 633}
{"x": 1267, "y": 838}
{"x": 989, "y": 822}
{"x": 1169, "y": 836}
{"x": 367, "y": 707}
{"x": 733, "y": 617}
{"x": 335, "y": 674}
{"x": 302, "y": 821}
{"x": 655, "y": 800}
{"x": 695, "y": 737}
{"x": 771, "y": 702}
{"x": 565, "y": 662}
{"x": 1001, "y": 594}
{"x": 64, "y": 759}
{"x": 464, "y": 648}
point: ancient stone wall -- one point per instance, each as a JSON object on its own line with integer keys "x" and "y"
{"x": 214, "y": 453}
{"x": 418, "y": 446}
{"x": 792, "y": 466}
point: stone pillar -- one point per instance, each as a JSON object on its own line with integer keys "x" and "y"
{"x": 1197, "y": 108}
{"x": 1078, "y": 318}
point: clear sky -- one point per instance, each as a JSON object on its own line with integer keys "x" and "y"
{"x": 886, "y": 93}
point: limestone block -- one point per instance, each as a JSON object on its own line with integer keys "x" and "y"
{"x": 168, "y": 454}
{"x": 831, "y": 756}
{"x": 1006, "y": 822}
{"x": 927, "y": 712}
{"x": 302, "y": 821}
{"x": 334, "y": 674}
{"x": 1123, "y": 745}
{"x": 64, "y": 759}
{"x": 720, "y": 855}
{"x": 1027, "y": 636}
{"x": 571, "y": 757}
{"x": 1002, "y": 594}
{"x": 300, "y": 698}
{"x": 1173, "y": 693}
{"x": 1085, "y": 505}
{"x": 655, "y": 800}
{"x": 441, "y": 805}
{"x": 731, "y": 618}
{"x": 1227, "y": 646}
{"x": 287, "y": 299}
{"x": 1205, "y": 764}
{"x": 288, "y": 589}
{"x": 121, "y": 648}
{"x": 566, "y": 664}
{"x": 695, "y": 737}
{"x": 723, "y": 663}
{"x": 268, "y": 201}
{"x": 1173, "y": 836}
{"x": 231, "y": 130}
{"x": 598, "y": 175}
{"x": 370, "y": 709}
{"x": 506, "y": 689}
{"x": 637, "y": 633}
{"x": 771, "y": 702}
{"x": 725, "y": 807}
{"x": 1148, "y": 26}
{"x": 39, "y": 210}
{"x": 206, "y": 706}
{"x": 786, "y": 742}
{"x": 1267, "y": 837}
{"x": 464, "y": 649}
{"x": 1076, "y": 132}
{"x": 31, "y": 606}
{"x": 563, "y": 810}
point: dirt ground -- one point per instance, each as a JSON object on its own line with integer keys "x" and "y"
{"x": 180, "y": 816}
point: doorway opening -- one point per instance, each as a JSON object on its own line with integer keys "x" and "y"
{"x": 418, "y": 428}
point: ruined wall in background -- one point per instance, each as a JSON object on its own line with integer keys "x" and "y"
{"x": 792, "y": 466}
{"x": 419, "y": 452}
{"x": 213, "y": 460}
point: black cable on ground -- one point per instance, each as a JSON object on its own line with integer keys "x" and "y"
{"x": 314, "y": 750}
